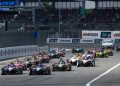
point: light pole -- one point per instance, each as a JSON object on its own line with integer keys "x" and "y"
{"x": 59, "y": 15}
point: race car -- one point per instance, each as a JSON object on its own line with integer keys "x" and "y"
{"x": 110, "y": 52}
{"x": 61, "y": 66}
{"x": 61, "y": 53}
{"x": 21, "y": 65}
{"x": 54, "y": 54}
{"x": 87, "y": 60}
{"x": 73, "y": 60}
{"x": 108, "y": 43}
{"x": 11, "y": 69}
{"x": 43, "y": 57}
{"x": 32, "y": 61}
{"x": 101, "y": 53}
{"x": 40, "y": 69}
{"x": 118, "y": 48}
{"x": 77, "y": 50}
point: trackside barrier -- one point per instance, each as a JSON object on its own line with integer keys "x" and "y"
{"x": 44, "y": 48}
{"x": 79, "y": 40}
{"x": 19, "y": 51}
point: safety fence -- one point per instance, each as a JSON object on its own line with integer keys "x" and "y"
{"x": 79, "y": 40}
{"x": 19, "y": 51}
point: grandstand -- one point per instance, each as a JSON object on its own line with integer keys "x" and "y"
{"x": 55, "y": 18}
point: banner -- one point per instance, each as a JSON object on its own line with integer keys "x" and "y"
{"x": 116, "y": 34}
{"x": 65, "y": 40}
{"x": 106, "y": 34}
{"x": 87, "y": 41}
{"x": 91, "y": 34}
{"x": 52, "y": 40}
{"x": 75, "y": 40}
{"x": 98, "y": 41}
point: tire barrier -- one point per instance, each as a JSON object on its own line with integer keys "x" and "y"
{"x": 21, "y": 51}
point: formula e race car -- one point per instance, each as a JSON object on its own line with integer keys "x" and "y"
{"x": 110, "y": 52}
{"x": 11, "y": 69}
{"x": 118, "y": 48}
{"x": 61, "y": 66}
{"x": 43, "y": 57}
{"x": 109, "y": 43}
{"x": 73, "y": 60}
{"x": 77, "y": 50}
{"x": 40, "y": 69}
{"x": 31, "y": 61}
{"x": 102, "y": 54}
{"x": 20, "y": 64}
{"x": 61, "y": 53}
{"x": 54, "y": 54}
{"x": 87, "y": 60}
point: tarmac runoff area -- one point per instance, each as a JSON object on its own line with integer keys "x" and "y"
{"x": 105, "y": 73}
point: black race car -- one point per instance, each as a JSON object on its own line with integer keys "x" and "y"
{"x": 61, "y": 66}
{"x": 118, "y": 48}
{"x": 11, "y": 70}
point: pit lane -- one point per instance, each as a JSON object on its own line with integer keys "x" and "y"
{"x": 79, "y": 76}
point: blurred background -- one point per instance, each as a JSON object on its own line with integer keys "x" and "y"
{"x": 29, "y": 22}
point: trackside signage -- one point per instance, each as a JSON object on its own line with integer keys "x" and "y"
{"x": 87, "y": 41}
{"x": 65, "y": 40}
{"x": 91, "y": 34}
{"x": 116, "y": 34}
{"x": 52, "y": 40}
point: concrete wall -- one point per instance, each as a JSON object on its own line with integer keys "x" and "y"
{"x": 8, "y": 39}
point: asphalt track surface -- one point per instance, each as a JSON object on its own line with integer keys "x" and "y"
{"x": 79, "y": 76}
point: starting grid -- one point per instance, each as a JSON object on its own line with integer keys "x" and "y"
{"x": 18, "y": 51}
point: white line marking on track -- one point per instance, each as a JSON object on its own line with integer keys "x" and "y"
{"x": 103, "y": 74}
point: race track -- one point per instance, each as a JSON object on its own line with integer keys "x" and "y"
{"x": 79, "y": 76}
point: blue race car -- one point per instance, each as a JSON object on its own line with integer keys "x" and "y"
{"x": 11, "y": 69}
{"x": 54, "y": 54}
{"x": 40, "y": 69}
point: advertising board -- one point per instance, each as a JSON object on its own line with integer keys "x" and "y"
{"x": 91, "y": 34}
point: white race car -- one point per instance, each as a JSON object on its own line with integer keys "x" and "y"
{"x": 73, "y": 60}
{"x": 108, "y": 44}
{"x": 87, "y": 60}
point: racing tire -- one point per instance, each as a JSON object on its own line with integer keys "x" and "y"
{"x": 21, "y": 72}
{"x": 49, "y": 72}
{"x": 2, "y": 73}
{"x": 93, "y": 63}
{"x": 79, "y": 64}
{"x": 47, "y": 61}
{"x": 31, "y": 73}
{"x": 53, "y": 68}
{"x": 69, "y": 68}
